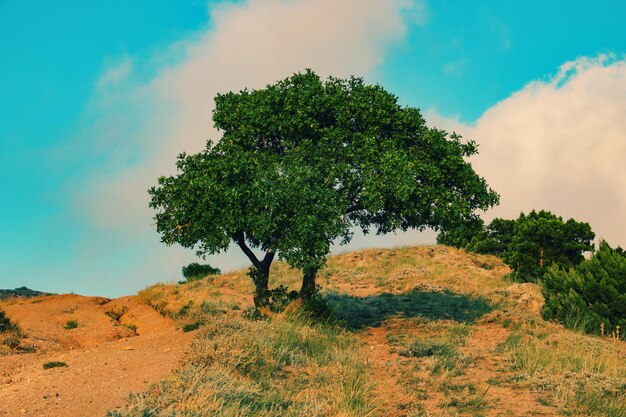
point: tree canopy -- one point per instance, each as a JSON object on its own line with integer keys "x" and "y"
{"x": 303, "y": 162}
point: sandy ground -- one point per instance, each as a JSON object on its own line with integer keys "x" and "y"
{"x": 118, "y": 347}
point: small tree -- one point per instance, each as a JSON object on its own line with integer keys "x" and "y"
{"x": 590, "y": 296}
{"x": 530, "y": 244}
{"x": 541, "y": 239}
{"x": 195, "y": 271}
{"x": 462, "y": 235}
{"x": 495, "y": 239}
{"x": 302, "y": 162}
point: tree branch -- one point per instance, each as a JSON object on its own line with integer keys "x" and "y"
{"x": 354, "y": 207}
{"x": 269, "y": 257}
{"x": 240, "y": 239}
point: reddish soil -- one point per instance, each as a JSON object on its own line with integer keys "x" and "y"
{"x": 118, "y": 347}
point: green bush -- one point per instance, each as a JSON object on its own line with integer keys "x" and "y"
{"x": 71, "y": 324}
{"x": 54, "y": 364}
{"x": 195, "y": 271}
{"x": 591, "y": 296}
{"x": 6, "y": 325}
{"x": 10, "y": 334}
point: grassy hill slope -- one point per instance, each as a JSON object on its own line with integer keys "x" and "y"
{"x": 417, "y": 331}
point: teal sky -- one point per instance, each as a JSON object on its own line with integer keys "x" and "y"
{"x": 84, "y": 90}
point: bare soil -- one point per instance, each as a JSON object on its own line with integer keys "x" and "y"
{"x": 119, "y": 346}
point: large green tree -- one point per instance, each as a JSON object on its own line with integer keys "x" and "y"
{"x": 303, "y": 162}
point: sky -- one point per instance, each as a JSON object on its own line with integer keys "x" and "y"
{"x": 98, "y": 98}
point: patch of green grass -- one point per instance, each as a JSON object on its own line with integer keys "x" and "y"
{"x": 70, "y": 324}
{"x": 466, "y": 401}
{"x": 131, "y": 326}
{"x": 190, "y": 327}
{"x": 421, "y": 348}
{"x": 54, "y": 364}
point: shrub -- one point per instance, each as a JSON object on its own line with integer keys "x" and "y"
{"x": 6, "y": 325}
{"x": 10, "y": 333}
{"x": 195, "y": 271}
{"x": 71, "y": 324}
{"x": 591, "y": 296}
{"x": 53, "y": 364}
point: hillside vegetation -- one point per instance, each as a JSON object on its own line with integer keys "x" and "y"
{"x": 416, "y": 331}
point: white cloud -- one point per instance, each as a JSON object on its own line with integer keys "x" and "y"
{"x": 559, "y": 144}
{"x": 140, "y": 127}
{"x": 116, "y": 74}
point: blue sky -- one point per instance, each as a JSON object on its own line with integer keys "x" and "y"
{"x": 96, "y": 99}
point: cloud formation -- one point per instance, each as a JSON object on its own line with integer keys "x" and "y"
{"x": 141, "y": 123}
{"x": 559, "y": 144}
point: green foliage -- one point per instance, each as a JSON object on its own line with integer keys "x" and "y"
{"x": 71, "y": 324}
{"x": 542, "y": 239}
{"x": 280, "y": 297}
{"x": 530, "y": 244}
{"x": 304, "y": 161}
{"x": 195, "y": 271}
{"x": 10, "y": 334}
{"x": 460, "y": 236}
{"x": 54, "y": 364}
{"x": 6, "y": 325}
{"x": 495, "y": 239}
{"x": 590, "y": 296}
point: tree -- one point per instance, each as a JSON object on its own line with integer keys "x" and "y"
{"x": 541, "y": 239}
{"x": 461, "y": 236}
{"x": 195, "y": 271}
{"x": 530, "y": 244}
{"x": 590, "y": 296}
{"x": 495, "y": 239}
{"x": 304, "y": 161}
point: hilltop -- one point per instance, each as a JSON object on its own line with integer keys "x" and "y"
{"x": 21, "y": 292}
{"x": 415, "y": 331}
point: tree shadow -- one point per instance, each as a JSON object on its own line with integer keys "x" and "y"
{"x": 359, "y": 312}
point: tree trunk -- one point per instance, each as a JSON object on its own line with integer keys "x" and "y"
{"x": 260, "y": 276}
{"x": 308, "y": 284}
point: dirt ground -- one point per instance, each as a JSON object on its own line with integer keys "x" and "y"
{"x": 110, "y": 347}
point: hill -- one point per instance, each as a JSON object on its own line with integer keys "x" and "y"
{"x": 416, "y": 331}
{"x": 21, "y": 292}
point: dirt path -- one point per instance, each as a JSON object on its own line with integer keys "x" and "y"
{"x": 390, "y": 397}
{"x": 118, "y": 347}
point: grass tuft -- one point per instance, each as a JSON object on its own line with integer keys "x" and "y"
{"x": 70, "y": 324}
{"x": 54, "y": 364}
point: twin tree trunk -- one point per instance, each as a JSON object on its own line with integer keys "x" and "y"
{"x": 260, "y": 273}
{"x": 260, "y": 276}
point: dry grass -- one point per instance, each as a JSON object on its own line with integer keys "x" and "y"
{"x": 418, "y": 331}
{"x": 282, "y": 366}
{"x": 582, "y": 374}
